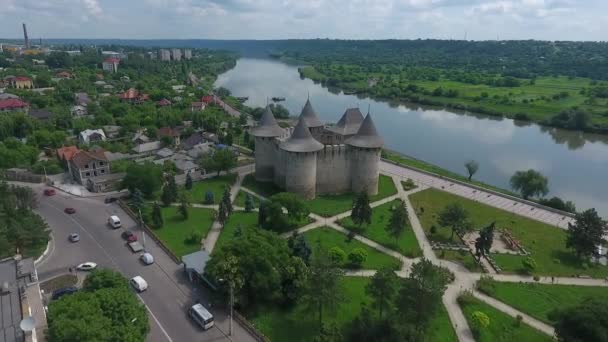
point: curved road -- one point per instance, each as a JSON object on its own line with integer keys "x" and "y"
{"x": 169, "y": 294}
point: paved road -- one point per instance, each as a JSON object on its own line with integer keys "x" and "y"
{"x": 169, "y": 294}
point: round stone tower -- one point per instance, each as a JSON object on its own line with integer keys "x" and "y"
{"x": 265, "y": 146}
{"x": 365, "y": 148}
{"x": 299, "y": 153}
{"x": 312, "y": 120}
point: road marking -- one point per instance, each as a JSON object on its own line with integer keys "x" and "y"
{"x": 50, "y": 253}
{"x": 155, "y": 319}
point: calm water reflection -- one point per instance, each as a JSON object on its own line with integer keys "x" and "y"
{"x": 575, "y": 163}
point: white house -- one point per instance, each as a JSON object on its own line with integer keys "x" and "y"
{"x": 78, "y": 110}
{"x": 91, "y": 135}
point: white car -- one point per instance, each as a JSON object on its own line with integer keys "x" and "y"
{"x": 147, "y": 258}
{"x": 138, "y": 283}
{"x": 87, "y": 266}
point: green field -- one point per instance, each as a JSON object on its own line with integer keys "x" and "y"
{"x": 547, "y": 244}
{"x": 237, "y": 218}
{"x": 462, "y": 257}
{"x": 176, "y": 230}
{"x": 296, "y": 324}
{"x": 538, "y": 300}
{"x": 502, "y": 328}
{"x": 330, "y": 238}
{"x": 407, "y": 243}
{"x": 216, "y": 184}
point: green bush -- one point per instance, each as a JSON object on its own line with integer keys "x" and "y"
{"x": 193, "y": 238}
{"x": 337, "y": 255}
{"x": 52, "y": 167}
{"x": 357, "y": 257}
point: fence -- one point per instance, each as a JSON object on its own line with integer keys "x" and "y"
{"x": 249, "y": 327}
{"x": 22, "y": 175}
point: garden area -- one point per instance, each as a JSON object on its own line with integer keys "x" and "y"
{"x": 184, "y": 236}
{"x": 216, "y": 185}
{"x": 334, "y": 242}
{"x": 463, "y": 257}
{"x": 539, "y": 300}
{"x": 407, "y": 243}
{"x": 501, "y": 327}
{"x": 238, "y": 218}
{"x": 546, "y": 244}
{"x": 241, "y": 197}
{"x": 297, "y": 324}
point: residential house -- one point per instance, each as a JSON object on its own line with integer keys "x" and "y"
{"x": 211, "y": 137}
{"x": 78, "y": 110}
{"x": 198, "y": 106}
{"x": 133, "y": 96}
{"x": 6, "y": 96}
{"x": 64, "y": 75}
{"x": 178, "y": 88}
{"x": 169, "y": 132}
{"x": 183, "y": 163}
{"x": 99, "y": 83}
{"x": 21, "y": 82}
{"x": 9, "y": 105}
{"x": 91, "y": 135}
{"x": 208, "y": 99}
{"x": 65, "y": 153}
{"x": 163, "y": 103}
{"x": 140, "y": 138}
{"x": 110, "y": 64}
{"x": 82, "y": 99}
{"x": 193, "y": 140}
{"x": 106, "y": 182}
{"x": 125, "y": 78}
{"x": 164, "y": 153}
{"x": 200, "y": 149}
{"x": 148, "y": 148}
{"x": 112, "y": 131}
{"x": 41, "y": 114}
{"x": 89, "y": 164}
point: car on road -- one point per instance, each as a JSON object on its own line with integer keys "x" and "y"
{"x": 139, "y": 284}
{"x": 147, "y": 258}
{"x": 49, "y": 192}
{"x": 63, "y": 291}
{"x": 114, "y": 221}
{"x": 74, "y": 237}
{"x": 69, "y": 210}
{"x": 201, "y": 315}
{"x": 129, "y": 236}
{"x": 110, "y": 200}
{"x": 87, "y": 266}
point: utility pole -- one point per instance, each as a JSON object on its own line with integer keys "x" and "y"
{"x": 143, "y": 232}
{"x": 231, "y": 308}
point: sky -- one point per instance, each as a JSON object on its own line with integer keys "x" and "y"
{"x": 280, "y": 19}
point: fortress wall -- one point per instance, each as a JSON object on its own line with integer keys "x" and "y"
{"x": 365, "y": 169}
{"x": 279, "y": 169}
{"x": 333, "y": 170}
{"x": 265, "y": 151}
{"x": 300, "y": 173}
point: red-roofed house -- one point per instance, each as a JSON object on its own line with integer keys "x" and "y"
{"x": 88, "y": 164}
{"x": 208, "y": 99}
{"x": 8, "y": 105}
{"x": 198, "y": 106}
{"x": 110, "y": 64}
{"x": 133, "y": 96}
{"x": 163, "y": 103}
{"x": 21, "y": 82}
{"x": 66, "y": 153}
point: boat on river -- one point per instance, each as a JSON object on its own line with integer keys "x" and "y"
{"x": 278, "y": 99}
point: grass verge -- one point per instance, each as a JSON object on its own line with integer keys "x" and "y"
{"x": 176, "y": 231}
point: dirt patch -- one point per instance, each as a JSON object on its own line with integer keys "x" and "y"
{"x": 58, "y": 282}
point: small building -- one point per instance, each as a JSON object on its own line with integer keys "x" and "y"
{"x": 163, "y": 103}
{"x": 140, "y": 137}
{"x": 41, "y": 114}
{"x": 198, "y": 106}
{"x": 178, "y": 88}
{"x": 91, "y": 135}
{"x": 147, "y": 148}
{"x": 105, "y": 183}
{"x": 78, "y": 110}
{"x": 194, "y": 266}
{"x": 164, "y": 153}
{"x": 64, "y": 75}
{"x": 6, "y": 96}
{"x": 211, "y": 137}
{"x": 110, "y": 64}
{"x": 88, "y": 164}
{"x": 169, "y": 132}
{"x": 82, "y": 99}
{"x": 112, "y": 131}
{"x": 193, "y": 140}
{"x": 133, "y": 96}
{"x": 99, "y": 83}
{"x": 65, "y": 153}
{"x": 125, "y": 78}
{"x": 10, "y": 105}
{"x": 21, "y": 82}
{"x": 208, "y": 99}
{"x": 197, "y": 150}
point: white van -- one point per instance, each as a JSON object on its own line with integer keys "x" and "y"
{"x": 139, "y": 283}
{"x": 203, "y": 317}
{"x": 114, "y": 221}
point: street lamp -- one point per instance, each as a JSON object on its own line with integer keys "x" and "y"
{"x": 231, "y": 286}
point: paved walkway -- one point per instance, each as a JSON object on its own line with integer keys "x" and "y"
{"x": 216, "y": 228}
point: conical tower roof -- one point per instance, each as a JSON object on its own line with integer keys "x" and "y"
{"x": 349, "y": 123}
{"x": 367, "y": 136}
{"x": 309, "y": 114}
{"x": 268, "y": 126}
{"x": 301, "y": 140}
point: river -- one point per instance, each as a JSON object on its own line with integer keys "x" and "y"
{"x": 576, "y": 164}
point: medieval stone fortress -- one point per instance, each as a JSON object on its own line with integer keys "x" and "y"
{"x": 314, "y": 158}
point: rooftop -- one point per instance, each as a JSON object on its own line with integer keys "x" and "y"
{"x": 301, "y": 140}
{"x": 268, "y": 126}
{"x": 15, "y": 275}
{"x": 349, "y": 123}
{"x": 309, "y": 114}
{"x": 367, "y": 136}
{"x": 82, "y": 157}
{"x": 13, "y": 103}
{"x": 67, "y": 152}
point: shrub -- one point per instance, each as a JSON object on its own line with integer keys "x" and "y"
{"x": 479, "y": 321}
{"x": 357, "y": 257}
{"x": 529, "y": 264}
{"x": 409, "y": 184}
{"x": 486, "y": 285}
{"x": 518, "y": 320}
{"x": 337, "y": 255}
{"x": 193, "y": 238}
{"x": 209, "y": 197}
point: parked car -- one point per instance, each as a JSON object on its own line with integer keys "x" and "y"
{"x": 201, "y": 315}
{"x": 74, "y": 237}
{"x": 69, "y": 210}
{"x": 49, "y": 192}
{"x": 63, "y": 291}
{"x": 147, "y": 258}
{"x": 87, "y": 266}
{"x": 110, "y": 200}
{"x": 139, "y": 284}
{"x": 114, "y": 221}
{"x": 129, "y": 236}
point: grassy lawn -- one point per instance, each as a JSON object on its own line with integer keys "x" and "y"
{"x": 245, "y": 220}
{"x": 407, "y": 243}
{"x": 462, "y": 257}
{"x": 176, "y": 230}
{"x": 58, "y": 282}
{"x": 538, "y": 300}
{"x": 240, "y": 200}
{"x": 215, "y": 184}
{"x": 502, "y": 327}
{"x": 328, "y": 206}
{"x": 296, "y": 324}
{"x": 263, "y": 189}
{"x": 547, "y": 244}
{"x": 330, "y": 238}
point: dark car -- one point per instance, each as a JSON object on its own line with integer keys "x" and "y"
{"x": 69, "y": 210}
{"x": 63, "y": 291}
{"x": 110, "y": 200}
{"x": 129, "y": 236}
{"x": 49, "y": 192}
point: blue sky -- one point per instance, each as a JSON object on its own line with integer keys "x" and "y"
{"x": 277, "y": 19}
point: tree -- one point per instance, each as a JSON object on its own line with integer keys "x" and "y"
{"x": 484, "y": 242}
{"x": 146, "y": 177}
{"x": 157, "y": 216}
{"x": 456, "y": 217}
{"x": 296, "y": 207}
{"x": 299, "y": 247}
{"x": 529, "y": 264}
{"x": 329, "y": 333}
{"x": 104, "y": 278}
{"x": 227, "y": 201}
{"x": 137, "y": 200}
{"x": 398, "y": 221}
{"x": 357, "y": 257}
{"x": 382, "y": 289}
{"x": 337, "y": 255}
{"x": 222, "y": 213}
{"x": 184, "y": 204}
{"x": 479, "y": 321}
{"x": 170, "y": 192}
{"x": 209, "y": 197}
{"x": 587, "y": 321}
{"x": 248, "y": 203}
{"x": 188, "y": 184}
{"x": 586, "y": 233}
{"x": 472, "y": 167}
{"x": 272, "y": 217}
{"x": 530, "y": 183}
{"x": 59, "y": 59}
{"x": 229, "y": 271}
{"x": 324, "y": 290}
{"x": 220, "y": 160}
{"x": 362, "y": 211}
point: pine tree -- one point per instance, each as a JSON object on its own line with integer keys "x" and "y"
{"x": 227, "y": 201}
{"x": 188, "y": 184}
{"x": 183, "y": 205}
{"x": 137, "y": 200}
{"x": 157, "y": 216}
{"x": 222, "y": 214}
{"x": 362, "y": 211}
{"x": 398, "y": 221}
{"x": 262, "y": 214}
{"x": 248, "y": 203}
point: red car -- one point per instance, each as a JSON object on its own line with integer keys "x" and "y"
{"x": 129, "y": 236}
{"x": 69, "y": 210}
{"x": 49, "y": 192}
